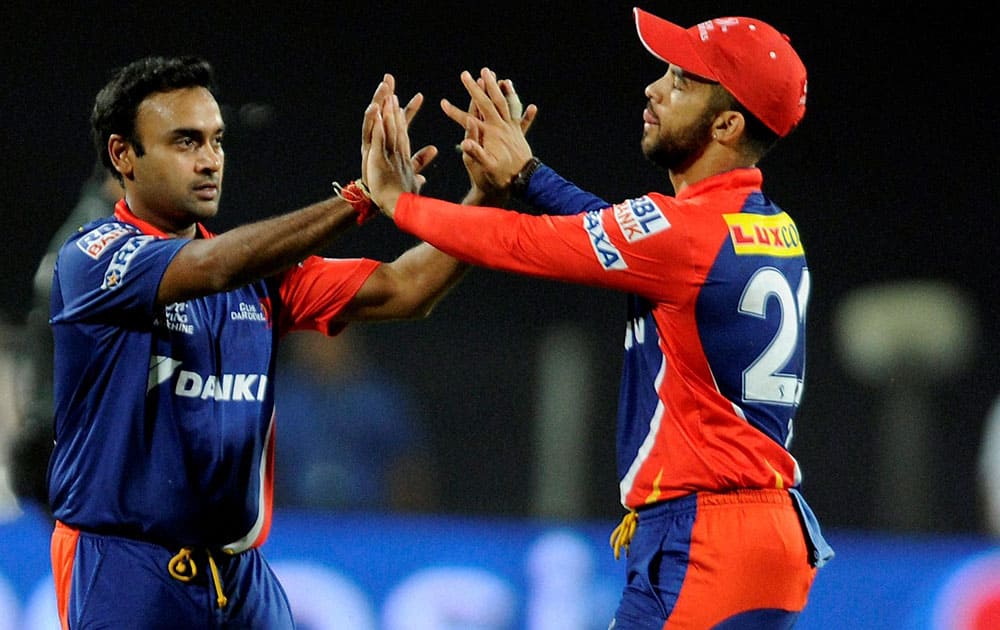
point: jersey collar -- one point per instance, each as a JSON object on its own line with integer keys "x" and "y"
{"x": 729, "y": 180}
{"x": 123, "y": 213}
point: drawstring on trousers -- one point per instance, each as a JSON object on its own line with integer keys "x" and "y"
{"x": 183, "y": 568}
{"x": 621, "y": 537}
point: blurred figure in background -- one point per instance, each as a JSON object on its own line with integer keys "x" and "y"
{"x": 32, "y": 441}
{"x": 349, "y": 437}
{"x": 989, "y": 470}
{"x": 11, "y": 396}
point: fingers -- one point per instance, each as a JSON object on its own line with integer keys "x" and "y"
{"x": 390, "y": 81}
{"x": 528, "y": 118}
{"x": 526, "y": 115}
{"x": 402, "y": 129}
{"x": 513, "y": 102}
{"x": 423, "y": 157}
{"x": 388, "y": 117}
{"x": 371, "y": 119}
{"x": 478, "y": 154}
{"x": 457, "y": 114}
{"x": 411, "y": 109}
{"x": 480, "y": 98}
{"x": 384, "y": 87}
{"x": 496, "y": 95}
{"x": 386, "y": 159}
{"x": 396, "y": 130}
{"x": 368, "y": 124}
{"x": 377, "y": 140}
{"x": 389, "y": 124}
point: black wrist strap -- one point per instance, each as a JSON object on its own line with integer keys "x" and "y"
{"x": 519, "y": 185}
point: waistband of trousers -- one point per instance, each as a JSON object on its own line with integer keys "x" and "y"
{"x": 774, "y": 496}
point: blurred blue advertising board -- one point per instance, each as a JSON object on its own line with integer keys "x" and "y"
{"x": 382, "y": 572}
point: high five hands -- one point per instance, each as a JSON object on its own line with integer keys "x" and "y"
{"x": 494, "y": 147}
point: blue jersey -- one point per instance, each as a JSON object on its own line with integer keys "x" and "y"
{"x": 164, "y": 415}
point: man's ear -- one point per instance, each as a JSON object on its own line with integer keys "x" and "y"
{"x": 728, "y": 126}
{"x": 122, "y": 154}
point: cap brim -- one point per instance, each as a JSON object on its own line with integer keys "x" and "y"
{"x": 670, "y": 43}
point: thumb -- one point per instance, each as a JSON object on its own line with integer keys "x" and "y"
{"x": 423, "y": 157}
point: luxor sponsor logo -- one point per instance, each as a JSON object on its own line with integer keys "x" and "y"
{"x": 764, "y": 235}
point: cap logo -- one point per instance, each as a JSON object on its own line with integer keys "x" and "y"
{"x": 705, "y": 28}
{"x": 750, "y": 58}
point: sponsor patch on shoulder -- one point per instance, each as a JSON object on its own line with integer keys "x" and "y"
{"x": 607, "y": 254}
{"x": 639, "y": 218}
{"x": 95, "y": 242}
{"x": 773, "y": 235}
{"x": 120, "y": 262}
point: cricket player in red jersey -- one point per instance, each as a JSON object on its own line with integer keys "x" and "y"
{"x": 717, "y": 534}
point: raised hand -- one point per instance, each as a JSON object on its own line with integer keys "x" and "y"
{"x": 494, "y": 148}
{"x": 386, "y": 90}
{"x": 389, "y": 169}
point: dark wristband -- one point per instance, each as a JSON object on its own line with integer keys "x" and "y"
{"x": 519, "y": 185}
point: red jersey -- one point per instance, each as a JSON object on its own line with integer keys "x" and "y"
{"x": 715, "y": 342}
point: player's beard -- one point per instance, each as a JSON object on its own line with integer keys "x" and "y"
{"x": 677, "y": 151}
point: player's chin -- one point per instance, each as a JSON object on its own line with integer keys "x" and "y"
{"x": 204, "y": 208}
{"x": 649, "y": 145}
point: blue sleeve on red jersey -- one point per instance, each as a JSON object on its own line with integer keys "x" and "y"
{"x": 549, "y": 191}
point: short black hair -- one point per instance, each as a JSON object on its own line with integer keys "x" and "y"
{"x": 118, "y": 101}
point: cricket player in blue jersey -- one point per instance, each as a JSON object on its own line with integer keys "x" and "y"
{"x": 165, "y": 337}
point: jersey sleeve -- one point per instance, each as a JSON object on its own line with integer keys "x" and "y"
{"x": 316, "y": 290}
{"x": 110, "y": 272}
{"x": 630, "y": 246}
{"x": 550, "y": 192}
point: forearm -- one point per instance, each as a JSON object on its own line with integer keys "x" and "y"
{"x": 571, "y": 248}
{"x": 406, "y": 288}
{"x": 482, "y": 236}
{"x": 253, "y": 251}
{"x": 479, "y": 197}
{"x": 431, "y": 274}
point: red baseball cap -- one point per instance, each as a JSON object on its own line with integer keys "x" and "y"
{"x": 748, "y": 57}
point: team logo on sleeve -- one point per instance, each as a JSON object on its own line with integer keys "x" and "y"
{"x": 607, "y": 254}
{"x": 639, "y": 218}
{"x": 95, "y": 242}
{"x": 755, "y": 234}
{"x": 122, "y": 259}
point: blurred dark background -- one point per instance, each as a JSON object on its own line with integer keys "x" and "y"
{"x": 890, "y": 178}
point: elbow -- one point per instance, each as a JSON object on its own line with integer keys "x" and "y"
{"x": 423, "y": 311}
{"x": 418, "y": 310}
{"x": 431, "y": 294}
